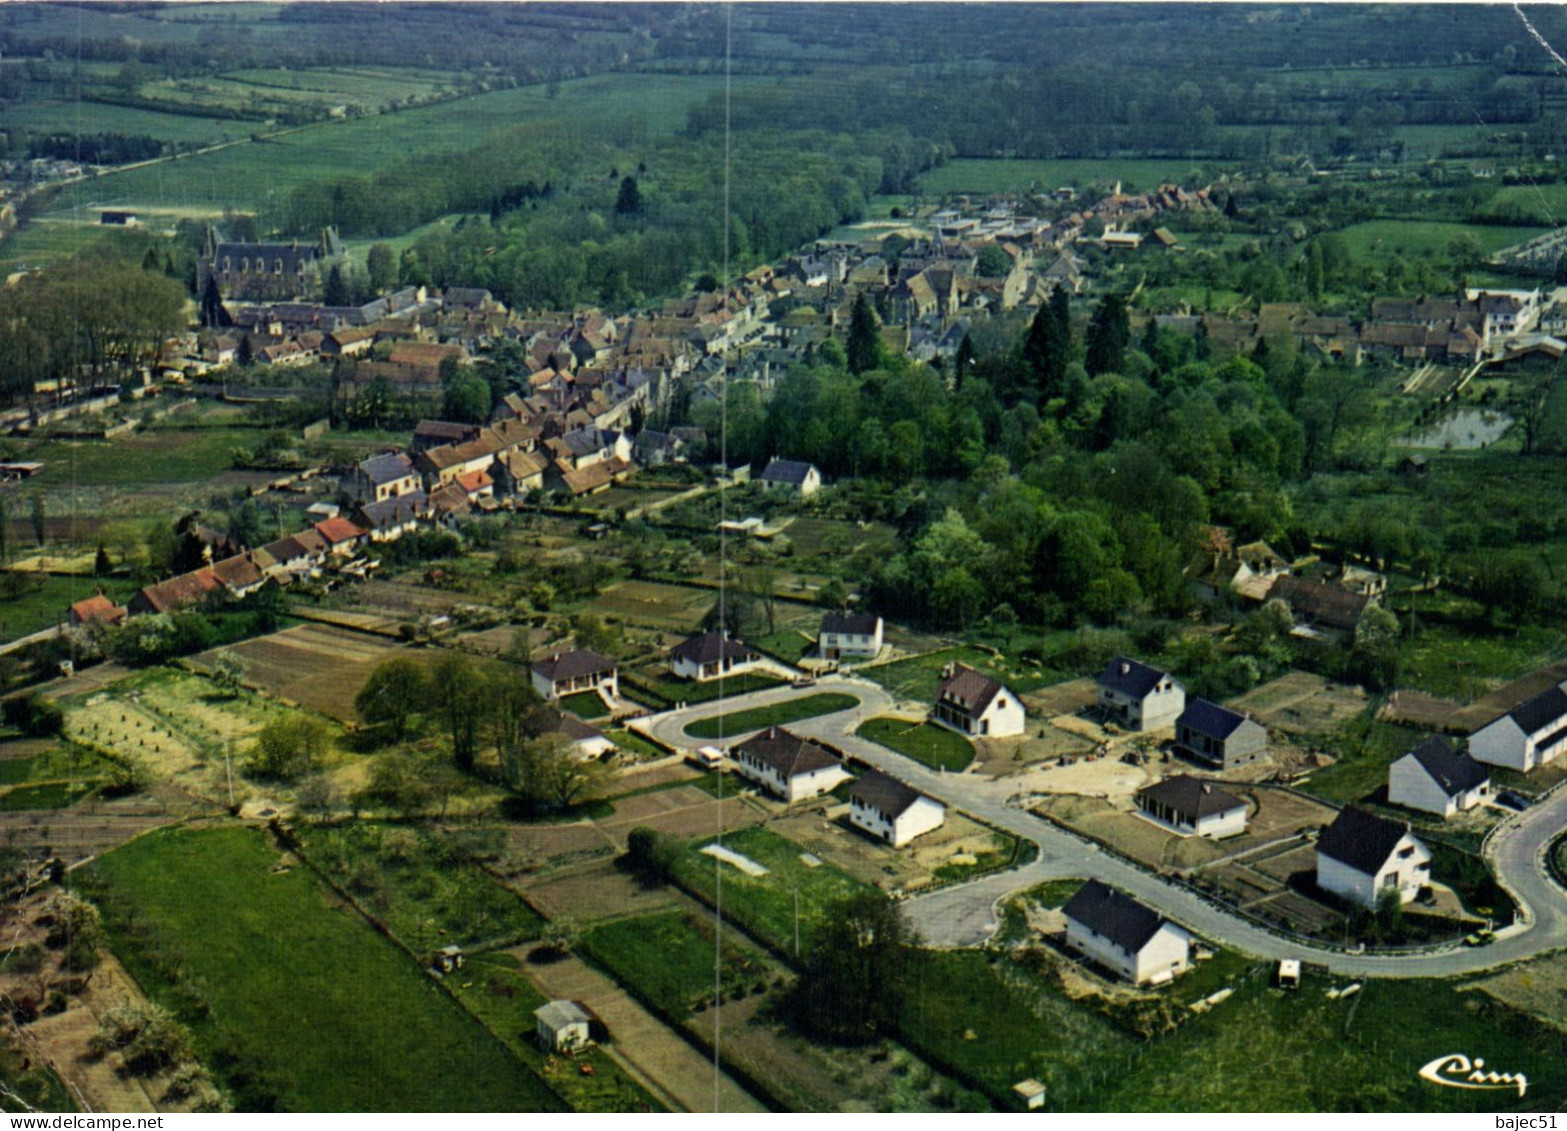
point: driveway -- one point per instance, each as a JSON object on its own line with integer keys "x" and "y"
{"x": 965, "y": 915}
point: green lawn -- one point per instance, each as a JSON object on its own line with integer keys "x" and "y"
{"x": 294, "y": 1001}
{"x": 585, "y": 705}
{"x": 420, "y": 884}
{"x": 501, "y": 996}
{"x": 765, "y": 905}
{"x": 1365, "y": 749}
{"x": 1264, "y": 1050}
{"x": 742, "y": 722}
{"x": 175, "y": 455}
{"x": 33, "y": 601}
{"x": 932, "y": 745}
{"x": 53, "y": 795}
{"x": 1389, "y": 239}
{"x": 669, "y": 960}
{"x": 662, "y": 692}
{"x": 787, "y": 644}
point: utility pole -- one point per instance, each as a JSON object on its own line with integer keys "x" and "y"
{"x": 228, "y": 760}
{"x": 797, "y": 922}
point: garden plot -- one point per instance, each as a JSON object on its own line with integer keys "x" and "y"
{"x": 652, "y": 604}
{"x": 1131, "y": 835}
{"x": 1302, "y": 703}
{"x": 318, "y": 666}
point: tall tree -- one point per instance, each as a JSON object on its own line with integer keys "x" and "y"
{"x": 453, "y": 688}
{"x": 857, "y": 971}
{"x": 395, "y": 691}
{"x": 336, "y": 291}
{"x": 212, "y": 313}
{"x": 864, "y": 347}
{"x": 1108, "y": 335}
{"x": 629, "y": 200}
{"x": 1045, "y": 354}
{"x": 381, "y": 263}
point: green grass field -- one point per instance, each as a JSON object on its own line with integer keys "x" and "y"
{"x": 415, "y": 881}
{"x": 65, "y": 116}
{"x": 778, "y": 714}
{"x": 34, "y": 601}
{"x": 52, "y": 795}
{"x": 918, "y": 677}
{"x": 585, "y": 705}
{"x": 666, "y": 692}
{"x": 765, "y": 905}
{"x": 932, "y": 745}
{"x": 669, "y": 959}
{"x": 1365, "y": 749}
{"x": 501, "y": 996}
{"x": 175, "y": 455}
{"x": 292, "y": 999}
{"x": 1391, "y": 239}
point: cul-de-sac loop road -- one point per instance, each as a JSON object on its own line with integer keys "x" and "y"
{"x": 966, "y": 915}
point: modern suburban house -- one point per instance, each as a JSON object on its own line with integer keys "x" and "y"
{"x": 564, "y": 1026}
{"x": 711, "y": 655}
{"x": 1435, "y": 778}
{"x": 976, "y": 705}
{"x": 1139, "y": 697}
{"x": 1219, "y": 736}
{"x": 1122, "y": 935}
{"x": 566, "y": 673}
{"x": 1531, "y": 734}
{"x": 787, "y": 765}
{"x": 891, "y": 811}
{"x": 792, "y": 476}
{"x": 1193, "y": 807}
{"x": 1361, "y": 855}
{"x": 845, "y": 635}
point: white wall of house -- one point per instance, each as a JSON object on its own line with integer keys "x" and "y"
{"x": 687, "y": 669}
{"x": 554, "y": 689}
{"x": 919, "y": 818}
{"x": 1167, "y": 953}
{"x": 1503, "y": 743}
{"x": 801, "y": 787}
{"x": 1003, "y": 717}
{"x": 1405, "y": 873}
{"x": 1218, "y": 825}
{"x": 833, "y": 644}
{"x": 1159, "y": 708}
{"x": 1409, "y": 785}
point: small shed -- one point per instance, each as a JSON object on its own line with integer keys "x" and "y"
{"x": 1032, "y": 1093}
{"x": 564, "y": 1026}
{"x": 447, "y": 959}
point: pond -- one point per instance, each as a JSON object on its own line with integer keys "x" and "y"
{"x": 1467, "y": 429}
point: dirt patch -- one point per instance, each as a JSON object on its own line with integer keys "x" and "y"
{"x": 1538, "y": 988}
{"x": 1506, "y": 697}
{"x": 1063, "y": 698}
{"x": 599, "y": 891}
{"x": 838, "y": 843}
{"x": 694, "y": 818}
{"x": 1301, "y": 703}
{"x": 319, "y": 666}
{"x": 1417, "y": 709}
{"x": 1131, "y": 835}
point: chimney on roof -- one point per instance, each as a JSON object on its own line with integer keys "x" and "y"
{"x": 1206, "y": 788}
{"x": 1125, "y": 667}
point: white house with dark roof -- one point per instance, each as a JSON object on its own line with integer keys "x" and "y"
{"x": 1531, "y": 734}
{"x": 850, "y": 635}
{"x": 711, "y": 655}
{"x": 1122, "y": 935}
{"x": 1435, "y": 778}
{"x": 1360, "y": 856}
{"x": 391, "y": 518}
{"x": 1139, "y": 697}
{"x": 787, "y": 765}
{"x": 1193, "y": 807}
{"x": 889, "y": 810}
{"x": 584, "y": 740}
{"x": 791, "y": 475}
{"x": 382, "y": 477}
{"x": 1219, "y": 736}
{"x": 566, "y": 673}
{"x": 976, "y": 705}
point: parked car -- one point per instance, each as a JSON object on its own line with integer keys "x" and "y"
{"x": 1513, "y": 800}
{"x": 1480, "y": 938}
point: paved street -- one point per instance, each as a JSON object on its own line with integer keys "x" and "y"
{"x": 966, "y": 915}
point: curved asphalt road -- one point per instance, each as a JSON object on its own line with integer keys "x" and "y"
{"x": 965, "y": 915}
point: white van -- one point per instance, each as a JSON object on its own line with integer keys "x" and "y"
{"x": 707, "y": 757}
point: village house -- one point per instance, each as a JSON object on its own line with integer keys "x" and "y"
{"x": 891, "y": 811}
{"x": 1193, "y": 807}
{"x": 242, "y": 574}
{"x": 711, "y": 655}
{"x": 340, "y": 535}
{"x": 177, "y": 594}
{"x": 566, "y": 673}
{"x": 1531, "y": 734}
{"x": 389, "y": 519}
{"x": 583, "y": 740}
{"x": 791, "y": 476}
{"x": 1360, "y": 856}
{"x": 1219, "y": 736}
{"x": 1321, "y": 609}
{"x": 380, "y": 478}
{"x": 788, "y": 766}
{"x": 1120, "y": 934}
{"x": 1435, "y": 778}
{"x": 1138, "y": 697}
{"x": 976, "y": 705}
{"x": 96, "y": 609}
{"x": 846, "y": 635}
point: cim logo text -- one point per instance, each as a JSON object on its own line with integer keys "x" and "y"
{"x": 1455, "y": 1070}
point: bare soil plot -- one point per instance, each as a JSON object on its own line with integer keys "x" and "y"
{"x": 672, "y": 608}
{"x": 408, "y": 600}
{"x": 318, "y": 666}
{"x": 1302, "y": 703}
{"x": 683, "y": 1075}
{"x": 1417, "y": 709}
{"x": 536, "y": 848}
{"x": 1279, "y": 813}
{"x": 1286, "y": 864}
{"x": 1104, "y": 777}
{"x": 599, "y": 891}
{"x": 1538, "y": 988}
{"x": 1508, "y": 696}
{"x": 838, "y": 843}
{"x": 1062, "y": 698}
{"x": 681, "y": 817}
{"x": 1131, "y": 835}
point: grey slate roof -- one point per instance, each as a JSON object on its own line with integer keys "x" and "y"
{"x": 1129, "y": 677}
{"x": 386, "y": 468}
{"x": 1191, "y": 797}
{"x": 1362, "y": 840}
{"x": 1533, "y": 715}
{"x": 707, "y": 648}
{"x": 786, "y": 471}
{"x": 1455, "y": 773}
{"x": 851, "y": 624}
{"x": 968, "y": 690}
{"x": 1209, "y": 719}
{"x": 556, "y": 1015}
{"x": 886, "y": 795}
{"x": 786, "y": 752}
{"x": 1117, "y": 917}
{"x": 571, "y": 665}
